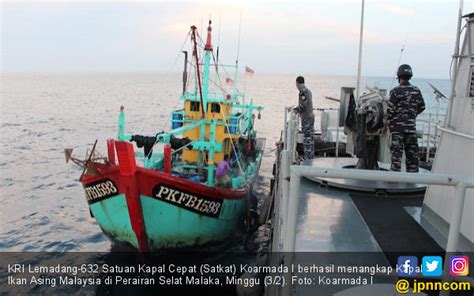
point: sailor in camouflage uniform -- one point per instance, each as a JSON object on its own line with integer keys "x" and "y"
{"x": 305, "y": 110}
{"x": 405, "y": 103}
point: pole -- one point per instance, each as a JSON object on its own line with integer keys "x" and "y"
{"x": 237, "y": 60}
{"x": 429, "y": 138}
{"x": 285, "y": 128}
{"x": 292, "y": 216}
{"x": 361, "y": 37}
{"x": 456, "y": 218}
{"x": 185, "y": 72}
{"x": 437, "y": 123}
{"x": 197, "y": 69}
{"x": 337, "y": 135}
{"x": 454, "y": 228}
{"x": 455, "y": 66}
{"x": 285, "y": 190}
{"x": 277, "y": 197}
{"x": 291, "y": 136}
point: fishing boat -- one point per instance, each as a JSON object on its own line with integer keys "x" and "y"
{"x": 172, "y": 198}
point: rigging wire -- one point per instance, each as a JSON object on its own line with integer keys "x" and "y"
{"x": 218, "y": 84}
{"x": 221, "y": 66}
{"x": 232, "y": 143}
{"x": 172, "y": 68}
{"x": 177, "y": 102}
{"x": 237, "y": 149}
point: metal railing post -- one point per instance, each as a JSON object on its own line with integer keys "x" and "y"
{"x": 337, "y": 134}
{"x": 429, "y": 138}
{"x": 285, "y": 188}
{"x": 436, "y": 125}
{"x": 454, "y": 229}
{"x": 290, "y": 227}
{"x": 277, "y": 206}
{"x": 456, "y": 218}
{"x": 293, "y": 202}
{"x": 285, "y": 126}
{"x": 291, "y": 136}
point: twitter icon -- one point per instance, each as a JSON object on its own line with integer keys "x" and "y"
{"x": 432, "y": 266}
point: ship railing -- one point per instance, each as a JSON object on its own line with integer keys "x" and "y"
{"x": 288, "y": 156}
{"x": 290, "y": 181}
{"x": 287, "y": 194}
{"x": 430, "y": 135}
{"x": 450, "y": 131}
{"x": 427, "y": 123}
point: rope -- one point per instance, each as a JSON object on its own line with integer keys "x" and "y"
{"x": 221, "y": 65}
{"x": 218, "y": 84}
{"x": 177, "y": 102}
{"x": 232, "y": 143}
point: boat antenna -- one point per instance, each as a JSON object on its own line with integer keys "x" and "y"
{"x": 193, "y": 28}
{"x": 238, "y": 40}
{"x": 218, "y": 41}
{"x": 361, "y": 38}
{"x": 402, "y": 50}
{"x": 237, "y": 59}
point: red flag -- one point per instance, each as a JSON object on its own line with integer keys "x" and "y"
{"x": 249, "y": 72}
{"x": 229, "y": 82}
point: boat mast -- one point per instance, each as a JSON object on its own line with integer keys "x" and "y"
{"x": 237, "y": 61}
{"x": 207, "y": 64}
{"x": 185, "y": 71}
{"x": 359, "y": 67}
{"x": 193, "y": 28}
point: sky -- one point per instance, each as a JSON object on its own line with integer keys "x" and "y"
{"x": 280, "y": 37}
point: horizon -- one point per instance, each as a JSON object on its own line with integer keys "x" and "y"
{"x": 241, "y": 73}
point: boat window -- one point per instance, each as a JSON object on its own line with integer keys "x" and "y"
{"x": 215, "y": 108}
{"x": 195, "y": 106}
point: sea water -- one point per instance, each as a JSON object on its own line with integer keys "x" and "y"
{"x": 43, "y": 206}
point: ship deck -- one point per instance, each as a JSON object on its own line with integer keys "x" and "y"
{"x": 337, "y": 223}
{"x": 333, "y": 220}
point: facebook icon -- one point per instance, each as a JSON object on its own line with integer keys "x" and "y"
{"x": 407, "y": 265}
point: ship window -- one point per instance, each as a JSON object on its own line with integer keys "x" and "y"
{"x": 215, "y": 108}
{"x": 471, "y": 83}
{"x": 195, "y": 106}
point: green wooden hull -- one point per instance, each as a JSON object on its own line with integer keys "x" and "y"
{"x": 167, "y": 226}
